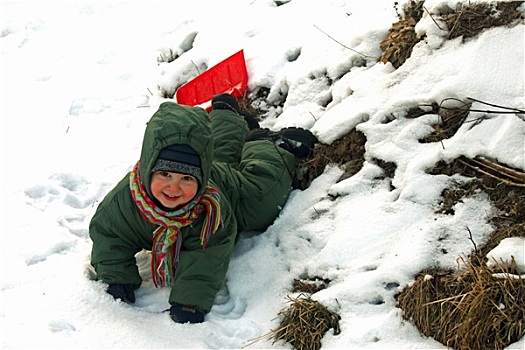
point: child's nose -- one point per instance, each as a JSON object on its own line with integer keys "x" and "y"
{"x": 174, "y": 185}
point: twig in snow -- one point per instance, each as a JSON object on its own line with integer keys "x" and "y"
{"x": 510, "y": 110}
{"x": 196, "y": 67}
{"x": 472, "y": 240}
{"x": 343, "y": 45}
{"x": 515, "y": 110}
{"x": 437, "y": 25}
{"x": 509, "y": 173}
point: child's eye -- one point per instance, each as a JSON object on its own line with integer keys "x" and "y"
{"x": 189, "y": 178}
{"x": 164, "y": 173}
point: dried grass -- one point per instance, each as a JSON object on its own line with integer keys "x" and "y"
{"x": 503, "y": 184}
{"x": 402, "y": 36}
{"x": 494, "y": 170}
{"x": 468, "y": 309}
{"x": 472, "y": 308}
{"x": 347, "y": 152}
{"x": 467, "y": 21}
{"x": 310, "y": 285}
{"x": 304, "y": 324}
{"x": 471, "y": 19}
{"x": 450, "y": 120}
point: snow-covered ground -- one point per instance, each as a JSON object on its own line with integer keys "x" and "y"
{"x": 80, "y": 80}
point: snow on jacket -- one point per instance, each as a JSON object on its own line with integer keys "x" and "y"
{"x": 253, "y": 180}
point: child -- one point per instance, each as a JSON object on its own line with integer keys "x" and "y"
{"x": 201, "y": 179}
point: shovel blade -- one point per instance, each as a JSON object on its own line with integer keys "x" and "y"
{"x": 228, "y": 76}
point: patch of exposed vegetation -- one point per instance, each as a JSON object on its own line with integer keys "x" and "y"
{"x": 471, "y": 19}
{"x": 304, "y": 324}
{"x": 347, "y": 152}
{"x": 309, "y": 285}
{"x": 505, "y": 187}
{"x": 467, "y": 21}
{"x": 472, "y": 308}
{"x": 402, "y": 36}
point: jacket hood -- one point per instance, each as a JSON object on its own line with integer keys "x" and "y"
{"x": 177, "y": 124}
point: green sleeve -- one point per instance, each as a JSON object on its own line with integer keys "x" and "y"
{"x": 118, "y": 233}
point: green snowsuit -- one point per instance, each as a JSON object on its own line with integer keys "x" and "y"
{"x": 253, "y": 180}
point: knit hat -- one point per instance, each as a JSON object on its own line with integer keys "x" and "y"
{"x": 179, "y": 159}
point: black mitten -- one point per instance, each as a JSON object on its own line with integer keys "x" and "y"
{"x": 182, "y": 314}
{"x": 122, "y": 291}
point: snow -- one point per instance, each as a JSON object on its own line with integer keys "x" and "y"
{"x": 509, "y": 248}
{"x": 81, "y": 79}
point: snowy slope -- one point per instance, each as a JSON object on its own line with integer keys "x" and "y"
{"x": 81, "y": 79}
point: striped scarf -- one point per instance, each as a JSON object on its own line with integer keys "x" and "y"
{"x": 166, "y": 247}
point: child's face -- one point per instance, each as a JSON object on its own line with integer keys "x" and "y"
{"x": 173, "y": 190}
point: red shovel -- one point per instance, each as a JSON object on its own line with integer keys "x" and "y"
{"x": 229, "y": 76}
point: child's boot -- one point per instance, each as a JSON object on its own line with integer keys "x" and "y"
{"x": 228, "y": 102}
{"x": 300, "y": 142}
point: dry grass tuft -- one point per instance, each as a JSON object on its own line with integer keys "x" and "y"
{"x": 467, "y": 21}
{"x": 304, "y": 323}
{"x": 471, "y": 19}
{"x": 347, "y": 152}
{"x": 450, "y": 120}
{"x": 402, "y": 36}
{"x": 473, "y": 308}
{"x": 504, "y": 185}
{"x": 246, "y": 105}
{"x": 469, "y": 309}
{"x": 311, "y": 285}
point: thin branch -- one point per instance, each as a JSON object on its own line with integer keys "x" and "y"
{"x": 471, "y": 239}
{"x": 437, "y": 25}
{"x": 446, "y": 299}
{"x": 493, "y": 112}
{"x": 454, "y": 108}
{"x": 481, "y": 110}
{"x": 476, "y": 121}
{"x": 514, "y": 174}
{"x": 511, "y": 110}
{"x": 346, "y": 47}
{"x": 506, "y": 182}
{"x": 197, "y": 68}
{"x": 516, "y": 110}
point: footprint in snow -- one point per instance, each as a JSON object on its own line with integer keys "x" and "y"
{"x": 226, "y": 306}
{"x": 71, "y": 196}
{"x": 70, "y": 189}
{"x": 233, "y": 335}
{"x": 389, "y": 286}
{"x": 59, "y": 247}
{"x": 61, "y": 326}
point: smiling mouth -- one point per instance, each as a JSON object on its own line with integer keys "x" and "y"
{"x": 172, "y": 198}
